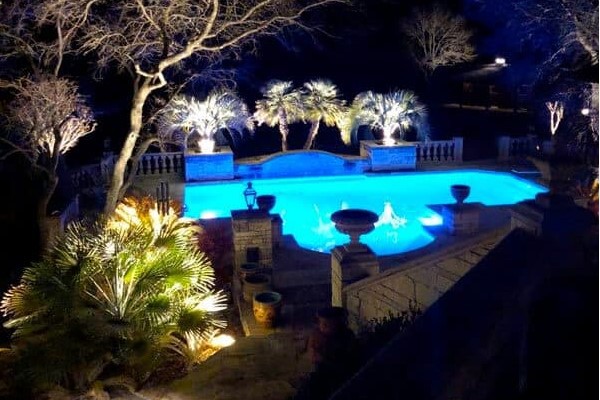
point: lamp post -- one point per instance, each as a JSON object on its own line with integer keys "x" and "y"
{"x": 250, "y": 196}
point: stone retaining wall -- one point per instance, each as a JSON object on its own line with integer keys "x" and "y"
{"x": 423, "y": 281}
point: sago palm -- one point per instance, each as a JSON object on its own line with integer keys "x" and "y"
{"x": 321, "y": 103}
{"x": 116, "y": 292}
{"x": 281, "y": 105}
{"x": 221, "y": 109}
{"x": 391, "y": 112}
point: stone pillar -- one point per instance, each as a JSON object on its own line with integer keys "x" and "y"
{"x": 277, "y": 233}
{"x": 503, "y": 148}
{"x": 252, "y": 229}
{"x": 397, "y": 157}
{"x": 350, "y": 263}
{"x": 461, "y": 219}
{"x": 547, "y": 147}
{"x": 458, "y": 148}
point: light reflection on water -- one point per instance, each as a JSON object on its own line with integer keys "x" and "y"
{"x": 401, "y": 201}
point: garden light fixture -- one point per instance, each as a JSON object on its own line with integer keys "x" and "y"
{"x": 250, "y": 196}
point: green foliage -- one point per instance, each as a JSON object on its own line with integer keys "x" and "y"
{"x": 113, "y": 293}
{"x": 221, "y": 109}
{"x": 280, "y": 98}
{"x": 321, "y": 101}
{"x": 376, "y": 333}
{"x": 391, "y": 112}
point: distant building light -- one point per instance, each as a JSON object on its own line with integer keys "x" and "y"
{"x": 585, "y": 111}
{"x": 500, "y": 61}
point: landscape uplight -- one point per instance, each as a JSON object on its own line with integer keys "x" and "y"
{"x": 500, "y": 61}
{"x": 585, "y": 111}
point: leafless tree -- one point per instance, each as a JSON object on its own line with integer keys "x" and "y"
{"x": 47, "y": 118}
{"x": 438, "y": 38}
{"x": 576, "y": 22}
{"x": 148, "y": 38}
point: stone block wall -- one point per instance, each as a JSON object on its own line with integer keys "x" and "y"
{"x": 202, "y": 167}
{"x": 461, "y": 219}
{"x": 348, "y": 265}
{"x": 402, "y": 156}
{"x": 252, "y": 229}
{"x": 423, "y": 283}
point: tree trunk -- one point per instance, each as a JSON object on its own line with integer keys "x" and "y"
{"x": 44, "y": 228}
{"x": 312, "y": 134}
{"x": 141, "y": 150}
{"x": 283, "y": 129}
{"x": 135, "y": 120}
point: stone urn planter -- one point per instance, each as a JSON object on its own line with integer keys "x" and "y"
{"x": 265, "y": 202}
{"x": 354, "y": 223}
{"x": 255, "y": 283}
{"x": 460, "y": 192}
{"x": 266, "y": 307}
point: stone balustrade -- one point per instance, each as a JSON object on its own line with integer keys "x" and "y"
{"x": 439, "y": 152}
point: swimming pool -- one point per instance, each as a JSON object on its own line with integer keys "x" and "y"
{"x": 401, "y": 201}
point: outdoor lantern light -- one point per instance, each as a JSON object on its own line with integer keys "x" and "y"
{"x": 250, "y": 196}
{"x": 585, "y": 111}
{"x": 500, "y": 61}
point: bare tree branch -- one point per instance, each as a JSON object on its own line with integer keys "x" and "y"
{"x": 438, "y": 38}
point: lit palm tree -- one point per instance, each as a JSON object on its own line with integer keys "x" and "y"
{"x": 282, "y": 104}
{"x": 118, "y": 292}
{"x": 391, "y": 112}
{"x": 321, "y": 103}
{"x": 221, "y": 109}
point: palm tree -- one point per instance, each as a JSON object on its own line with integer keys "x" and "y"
{"x": 282, "y": 104}
{"x": 118, "y": 292}
{"x": 391, "y": 112}
{"x": 221, "y": 109}
{"x": 321, "y": 102}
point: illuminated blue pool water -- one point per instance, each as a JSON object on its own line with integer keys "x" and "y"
{"x": 401, "y": 200}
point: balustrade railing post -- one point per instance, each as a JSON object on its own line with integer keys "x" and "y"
{"x": 503, "y": 148}
{"x": 458, "y": 148}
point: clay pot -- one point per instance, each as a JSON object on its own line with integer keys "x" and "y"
{"x": 265, "y": 202}
{"x": 266, "y": 307}
{"x": 247, "y": 269}
{"x": 255, "y": 283}
{"x": 460, "y": 192}
{"x": 331, "y": 319}
{"x": 354, "y": 223}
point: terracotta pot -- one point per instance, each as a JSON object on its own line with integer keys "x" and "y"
{"x": 354, "y": 222}
{"x": 266, "y": 307}
{"x": 255, "y": 283}
{"x": 265, "y": 202}
{"x": 460, "y": 192}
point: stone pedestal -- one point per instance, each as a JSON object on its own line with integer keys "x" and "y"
{"x": 209, "y": 166}
{"x": 398, "y": 157}
{"x": 350, "y": 263}
{"x": 461, "y": 219}
{"x": 277, "y": 232}
{"x": 252, "y": 230}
